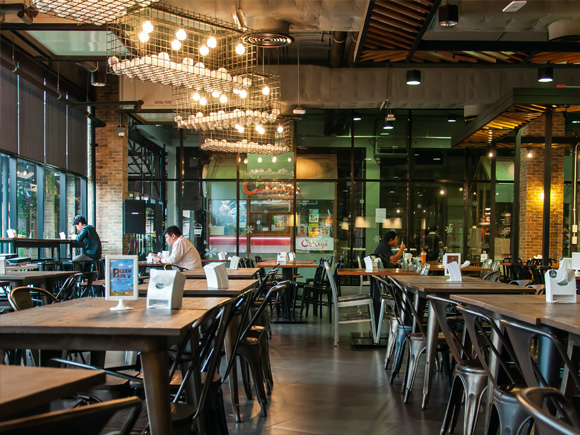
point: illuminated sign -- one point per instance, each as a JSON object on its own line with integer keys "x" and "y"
{"x": 254, "y": 188}
{"x": 315, "y": 243}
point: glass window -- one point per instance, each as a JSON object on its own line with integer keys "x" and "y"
{"x": 223, "y": 216}
{"x": 27, "y": 199}
{"x": 52, "y": 204}
{"x": 257, "y": 166}
{"x": 73, "y": 201}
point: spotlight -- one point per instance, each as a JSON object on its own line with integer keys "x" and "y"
{"x": 546, "y": 74}
{"x": 98, "y": 79}
{"x": 448, "y": 15}
{"x": 121, "y": 131}
{"x": 413, "y": 77}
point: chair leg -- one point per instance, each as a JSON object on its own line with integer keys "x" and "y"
{"x": 246, "y": 379}
{"x": 417, "y": 347}
{"x": 452, "y": 404}
{"x": 391, "y": 343}
{"x": 402, "y": 333}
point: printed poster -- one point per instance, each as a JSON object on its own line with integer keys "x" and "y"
{"x": 313, "y": 215}
{"x": 122, "y": 277}
{"x": 313, "y": 230}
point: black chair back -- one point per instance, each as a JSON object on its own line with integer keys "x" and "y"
{"x": 551, "y": 411}
{"x": 404, "y": 310}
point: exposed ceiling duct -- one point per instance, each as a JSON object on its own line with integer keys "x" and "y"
{"x": 268, "y": 32}
{"x": 565, "y": 30}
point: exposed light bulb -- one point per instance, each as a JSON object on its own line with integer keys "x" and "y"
{"x": 203, "y": 50}
{"x": 203, "y": 101}
{"x": 212, "y": 42}
{"x": 223, "y": 98}
{"x": 259, "y": 159}
{"x": 196, "y": 96}
{"x": 245, "y": 161}
{"x": 289, "y": 159}
{"x": 490, "y": 154}
{"x": 240, "y": 49}
{"x": 215, "y": 94}
{"x": 280, "y": 129}
{"x": 176, "y": 44}
{"x": 243, "y": 93}
{"x": 442, "y": 192}
{"x": 181, "y": 35}
{"x": 274, "y": 159}
{"x": 530, "y": 155}
{"x": 266, "y": 90}
{"x": 143, "y": 37}
{"x": 147, "y": 27}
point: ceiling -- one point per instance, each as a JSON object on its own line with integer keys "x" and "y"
{"x": 362, "y": 34}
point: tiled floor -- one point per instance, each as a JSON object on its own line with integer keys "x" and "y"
{"x": 320, "y": 389}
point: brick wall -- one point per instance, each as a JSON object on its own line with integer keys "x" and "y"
{"x": 532, "y": 188}
{"x": 111, "y": 159}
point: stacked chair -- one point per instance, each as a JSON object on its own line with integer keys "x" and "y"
{"x": 550, "y": 410}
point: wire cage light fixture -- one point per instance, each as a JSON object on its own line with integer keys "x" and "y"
{"x": 172, "y": 46}
{"x": 89, "y": 11}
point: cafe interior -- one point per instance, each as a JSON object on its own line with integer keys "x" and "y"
{"x": 287, "y": 140}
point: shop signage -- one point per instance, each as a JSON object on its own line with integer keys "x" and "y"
{"x": 258, "y": 189}
{"x": 315, "y": 243}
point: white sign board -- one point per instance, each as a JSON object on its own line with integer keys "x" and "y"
{"x": 315, "y": 243}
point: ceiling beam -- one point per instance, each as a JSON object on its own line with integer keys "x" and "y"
{"x": 523, "y": 46}
{"x": 424, "y": 28}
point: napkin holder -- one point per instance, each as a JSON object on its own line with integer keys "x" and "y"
{"x": 450, "y": 258}
{"x": 234, "y": 262}
{"x": 291, "y": 256}
{"x": 561, "y": 284}
{"x": 216, "y": 276}
{"x": 2, "y": 266}
{"x": 453, "y": 271}
{"x": 282, "y": 257}
{"x": 576, "y": 262}
{"x": 370, "y": 264}
{"x": 165, "y": 289}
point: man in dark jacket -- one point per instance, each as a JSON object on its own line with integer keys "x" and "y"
{"x": 433, "y": 243}
{"x": 88, "y": 235}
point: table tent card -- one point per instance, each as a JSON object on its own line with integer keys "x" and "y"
{"x": 561, "y": 284}
{"x": 453, "y": 271}
{"x": 121, "y": 280}
{"x": 216, "y": 276}
{"x": 165, "y": 289}
{"x": 370, "y": 263}
{"x": 291, "y": 256}
{"x": 234, "y": 262}
{"x": 2, "y": 265}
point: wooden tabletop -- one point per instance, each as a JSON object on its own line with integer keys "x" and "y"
{"x": 198, "y": 287}
{"x": 92, "y": 316}
{"x": 289, "y": 264}
{"x": 23, "y": 388}
{"x": 22, "y": 267}
{"x": 377, "y": 272}
{"x": 4, "y": 283}
{"x": 531, "y": 309}
{"x": 34, "y": 276}
{"x": 440, "y": 284}
{"x": 438, "y": 267}
{"x": 242, "y": 273}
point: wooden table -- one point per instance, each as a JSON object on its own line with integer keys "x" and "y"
{"x": 534, "y": 309}
{"x": 22, "y": 267}
{"x": 288, "y": 267}
{"x": 24, "y": 388}
{"x": 39, "y": 278}
{"x": 438, "y": 267}
{"x": 198, "y": 287}
{"x": 89, "y": 324}
{"x": 440, "y": 286}
{"x": 376, "y": 272}
{"x": 242, "y": 273}
{"x": 39, "y": 244}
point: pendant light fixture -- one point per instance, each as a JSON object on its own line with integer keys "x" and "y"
{"x": 448, "y": 15}
{"x": 546, "y": 74}
{"x": 413, "y": 77}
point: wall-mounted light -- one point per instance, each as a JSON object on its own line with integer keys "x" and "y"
{"x": 413, "y": 77}
{"x": 448, "y": 15}
{"x": 530, "y": 155}
{"x": 546, "y": 74}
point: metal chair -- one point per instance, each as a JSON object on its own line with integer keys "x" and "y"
{"x": 22, "y": 298}
{"x": 503, "y": 411}
{"x": 362, "y": 301}
{"x": 551, "y": 411}
{"x": 492, "y": 276}
{"x": 469, "y": 378}
{"x": 88, "y": 420}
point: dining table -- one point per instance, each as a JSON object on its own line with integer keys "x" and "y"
{"x": 43, "y": 279}
{"x": 20, "y": 267}
{"x": 89, "y": 324}
{"x": 28, "y": 388}
{"x": 534, "y": 310}
{"x": 199, "y": 288}
{"x": 288, "y": 267}
{"x": 442, "y": 287}
{"x": 39, "y": 244}
{"x": 241, "y": 273}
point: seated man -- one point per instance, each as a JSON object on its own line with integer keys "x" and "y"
{"x": 91, "y": 249}
{"x": 183, "y": 253}
{"x": 384, "y": 250}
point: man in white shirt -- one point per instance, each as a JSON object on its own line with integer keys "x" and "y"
{"x": 183, "y": 253}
